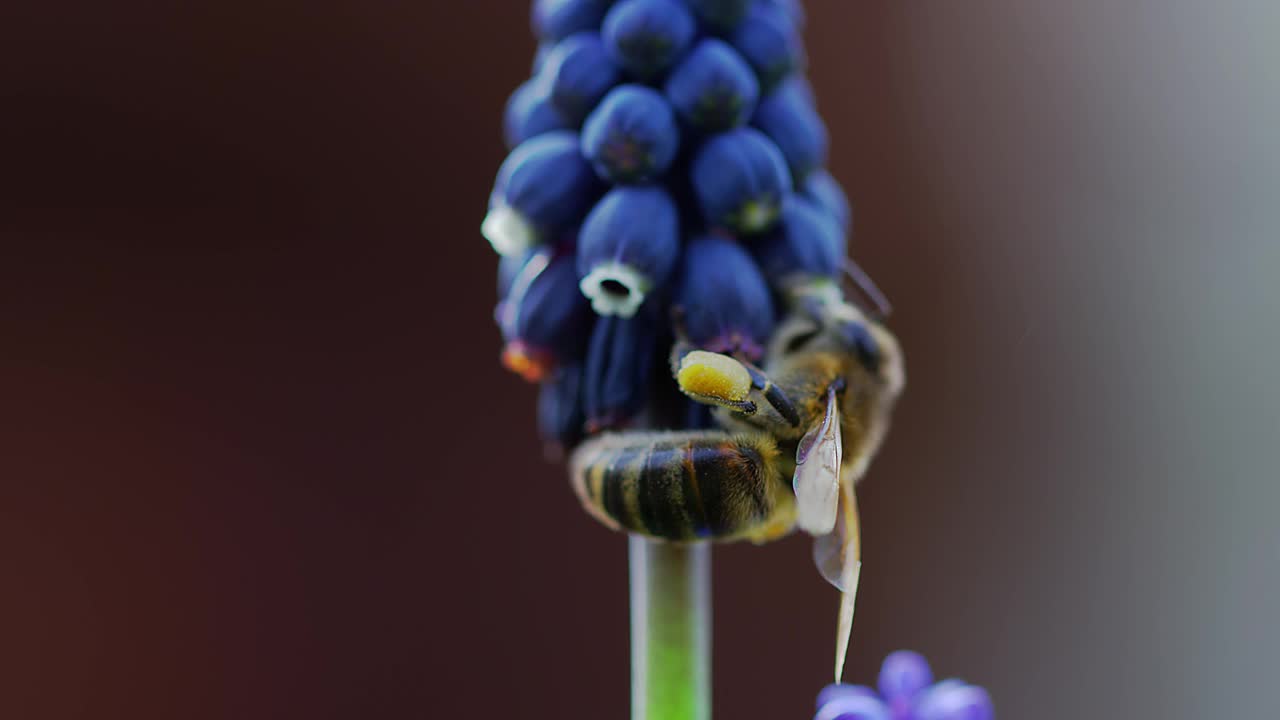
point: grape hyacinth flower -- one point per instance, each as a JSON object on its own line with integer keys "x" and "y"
{"x": 628, "y": 245}
{"x": 561, "y": 417}
{"x": 723, "y": 298}
{"x": 578, "y": 73}
{"x": 806, "y": 245}
{"x": 769, "y": 40}
{"x": 543, "y": 186}
{"x": 720, "y": 15}
{"x": 740, "y": 179}
{"x": 906, "y": 692}
{"x": 632, "y": 136}
{"x": 555, "y": 20}
{"x": 713, "y": 87}
{"x": 530, "y": 113}
{"x": 666, "y": 188}
{"x": 645, "y": 37}
{"x": 789, "y": 117}
{"x": 823, "y": 190}
{"x": 617, "y": 371}
{"x": 543, "y": 319}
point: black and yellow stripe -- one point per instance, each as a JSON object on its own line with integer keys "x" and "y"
{"x": 681, "y": 486}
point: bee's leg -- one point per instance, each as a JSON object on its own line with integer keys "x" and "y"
{"x": 717, "y": 379}
{"x": 773, "y": 394}
{"x": 712, "y": 378}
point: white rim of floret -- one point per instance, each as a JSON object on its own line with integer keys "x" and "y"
{"x": 606, "y": 302}
{"x": 508, "y": 231}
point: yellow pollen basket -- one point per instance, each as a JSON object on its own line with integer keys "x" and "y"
{"x": 713, "y": 375}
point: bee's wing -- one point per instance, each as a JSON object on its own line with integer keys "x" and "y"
{"x": 817, "y": 477}
{"x": 838, "y": 557}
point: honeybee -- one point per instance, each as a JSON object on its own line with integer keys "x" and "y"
{"x": 796, "y": 436}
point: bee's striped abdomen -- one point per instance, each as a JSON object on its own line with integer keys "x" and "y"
{"x": 678, "y": 486}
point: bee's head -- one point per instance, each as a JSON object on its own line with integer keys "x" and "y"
{"x": 833, "y": 326}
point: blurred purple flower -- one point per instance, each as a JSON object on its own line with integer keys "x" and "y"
{"x": 906, "y": 692}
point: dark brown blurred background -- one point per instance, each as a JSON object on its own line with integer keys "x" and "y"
{"x": 258, "y": 460}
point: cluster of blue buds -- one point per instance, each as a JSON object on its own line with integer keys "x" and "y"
{"x": 906, "y": 692}
{"x": 666, "y": 155}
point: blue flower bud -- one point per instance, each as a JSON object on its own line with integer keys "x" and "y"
{"x": 628, "y": 245}
{"x": 768, "y": 39}
{"x": 805, "y": 245}
{"x": 646, "y": 36}
{"x": 509, "y": 267}
{"x": 854, "y": 707}
{"x": 544, "y": 318}
{"x": 831, "y": 692}
{"x": 954, "y": 700}
{"x": 740, "y": 179}
{"x": 540, "y": 56}
{"x": 720, "y": 14}
{"x": 530, "y": 113}
{"x": 905, "y": 695}
{"x": 903, "y": 674}
{"x": 618, "y": 369}
{"x": 543, "y": 186}
{"x": 723, "y": 297}
{"x": 555, "y": 20}
{"x": 794, "y": 9}
{"x": 632, "y": 136}
{"x": 793, "y": 123}
{"x": 823, "y": 190}
{"x": 713, "y": 88}
{"x": 579, "y": 73}
{"x": 805, "y": 88}
{"x": 560, "y": 412}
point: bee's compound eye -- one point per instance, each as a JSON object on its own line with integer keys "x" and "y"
{"x": 799, "y": 340}
{"x": 860, "y": 340}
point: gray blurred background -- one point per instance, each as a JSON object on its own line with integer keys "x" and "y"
{"x": 258, "y": 460}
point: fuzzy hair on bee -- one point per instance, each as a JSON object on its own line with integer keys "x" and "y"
{"x": 795, "y": 437}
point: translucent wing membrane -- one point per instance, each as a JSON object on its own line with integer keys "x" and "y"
{"x": 817, "y": 477}
{"x": 838, "y": 557}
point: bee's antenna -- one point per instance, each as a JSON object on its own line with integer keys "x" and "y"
{"x": 879, "y": 304}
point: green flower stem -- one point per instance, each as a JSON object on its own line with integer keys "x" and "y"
{"x": 670, "y": 630}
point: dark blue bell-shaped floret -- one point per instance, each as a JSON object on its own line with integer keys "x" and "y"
{"x": 721, "y": 15}
{"x": 632, "y": 136}
{"x": 555, "y": 20}
{"x": 628, "y": 245}
{"x": 713, "y": 88}
{"x": 530, "y": 113}
{"x": 767, "y": 38}
{"x": 544, "y": 186}
{"x": 560, "y": 413}
{"x": 740, "y": 179}
{"x": 509, "y": 267}
{"x": 618, "y": 369}
{"x": 793, "y": 123}
{"x": 800, "y": 83}
{"x": 805, "y": 245}
{"x": 793, "y": 8}
{"x": 723, "y": 299}
{"x": 579, "y": 72}
{"x": 646, "y": 36}
{"x": 544, "y": 319}
{"x": 823, "y": 190}
{"x": 540, "y": 56}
